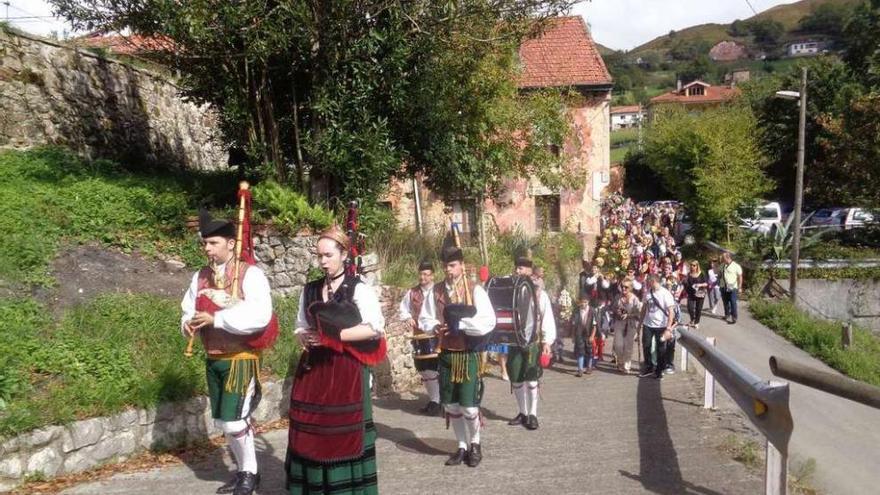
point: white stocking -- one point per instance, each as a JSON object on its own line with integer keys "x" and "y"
{"x": 519, "y": 391}
{"x": 533, "y": 398}
{"x": 240, "y": 437}
{"x": 432, "y": 384}
{"x": 458, "y": 426}
{"x": 472, "y": 421}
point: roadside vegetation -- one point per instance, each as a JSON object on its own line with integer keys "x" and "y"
{"x": 822, "y": 339}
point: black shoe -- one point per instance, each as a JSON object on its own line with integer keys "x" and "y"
{"x": 230, "y": 485}
{"x": 646, "y": 373}
{"x": 519, "y": 419}
{"x": 579, "y": 374}
{"x": 247, "y": 483}
{"x": 457, "y": 458}
{"x": 532, "y": 422}
{"x": 475, "y": 455}
{"x": 430, "y": 409}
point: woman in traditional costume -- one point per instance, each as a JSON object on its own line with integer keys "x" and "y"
{"x": 332, "y": 438}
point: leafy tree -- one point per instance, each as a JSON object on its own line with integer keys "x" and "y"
{"x": 827, "y": 18}
{"x": 700, "y": 68}
{"x": 712, "y": 161}
{"x": 689, "y": 49}
{"x": 767, "y": 31}
{"x": 739, "y": 28}
{"x": 861, "y": 38}
{"x": 342, "y": 93}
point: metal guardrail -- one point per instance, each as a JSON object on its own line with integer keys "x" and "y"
{"x": 831, "y": 383}
{"x": 764, "y": 402}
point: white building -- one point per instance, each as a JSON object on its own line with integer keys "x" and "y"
{"x": 804, "y": 48}
{"x": 625, "y": 117}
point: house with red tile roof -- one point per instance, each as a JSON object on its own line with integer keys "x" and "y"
{"x": 695, "y": 96}
{"x": 563, "y": 55}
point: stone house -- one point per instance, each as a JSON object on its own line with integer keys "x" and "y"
{"x": 728, "y": 51}
{"x": 563, "y": 56}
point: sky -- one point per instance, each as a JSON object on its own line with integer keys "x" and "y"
{"x": 619, "y": 24}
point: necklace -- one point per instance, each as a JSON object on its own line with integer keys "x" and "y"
{"x": 328, "y": 282}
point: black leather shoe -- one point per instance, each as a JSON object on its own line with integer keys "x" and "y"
{"x": 230, "y": 485}
{"x": 475, "y": 455}
{"x": 457, "y": 458}
{"x": 247, "y": 483}
{"x": 519, "y": 419}
{"x": 532, "y": 422}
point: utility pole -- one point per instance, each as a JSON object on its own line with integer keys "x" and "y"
{"x": 6, "y": 3}
{"x": 799, "y": 188}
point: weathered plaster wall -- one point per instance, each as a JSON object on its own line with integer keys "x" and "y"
{"x": 55, "y": 94}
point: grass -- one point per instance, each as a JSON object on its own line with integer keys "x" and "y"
{"x": 743, "y": 450}
{"x": 821, "y": 339}
{"x": 624, "y": 136}
{"x": 115, "y": 352}
{"x": 50, "y": 194}
{"x": 618, "y": 155}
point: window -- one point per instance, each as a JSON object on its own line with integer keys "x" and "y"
{"x": 547, "y": 213}
{"x": 696, "y": 91}
{"x": 464, "y": 213}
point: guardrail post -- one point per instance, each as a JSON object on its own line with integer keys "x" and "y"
{"x": 846, "y": 336}
{"x": 776, "y": 473}
{"x": 709, "y": 383}
{"x": 684, "y": 358}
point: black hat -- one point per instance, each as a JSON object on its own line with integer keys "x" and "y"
{"x": 523, "y": 261}
{"x": 451, "y": 254}
{"x": 209, "y": 227}
{"x": 426, "y": 265}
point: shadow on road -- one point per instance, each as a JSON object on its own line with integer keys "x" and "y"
{"x": 659, "y": 471}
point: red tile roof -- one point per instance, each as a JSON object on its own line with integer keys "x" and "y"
{"x": 563, "y": 55}
{"x": 713, "y": 94}
{"x": 626, "y": 109}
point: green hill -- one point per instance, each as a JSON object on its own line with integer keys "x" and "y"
{"x": 788, "y": 15}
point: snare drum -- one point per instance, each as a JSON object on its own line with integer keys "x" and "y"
{"x": 424, "y": 346}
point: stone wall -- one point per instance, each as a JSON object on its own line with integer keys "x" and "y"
{"x": 397, "y": 374}
{"x": 842, "y": 300}
{"x": 285, "y": 260}
{"x": 56, "y": 94}
{"x": 57, "y": 450}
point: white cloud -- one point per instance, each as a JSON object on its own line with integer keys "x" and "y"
{"x": 625, "y": 24}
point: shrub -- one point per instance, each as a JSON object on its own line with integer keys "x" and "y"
{"x": 821, "y": 339}
{"x": 289, "y": 210}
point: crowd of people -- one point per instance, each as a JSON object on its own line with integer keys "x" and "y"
{"x": 636, "y": 287}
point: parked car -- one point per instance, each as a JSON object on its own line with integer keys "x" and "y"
{"x": 682, "y": 229}
{"x": 764, "y": 217}
{"x": 843, "y": 218}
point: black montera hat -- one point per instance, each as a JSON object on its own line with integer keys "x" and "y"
{"x": 451, "y": 254}
{"x": 210, "y": 227}
{"x": 523, "y": 261}
{"x": 426, "y": 265}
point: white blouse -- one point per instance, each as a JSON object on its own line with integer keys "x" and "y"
{"x": 366, "y": 301}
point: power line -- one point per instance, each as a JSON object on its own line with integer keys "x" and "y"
{"x": 751, "y": 7}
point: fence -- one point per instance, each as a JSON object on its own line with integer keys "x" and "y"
{"x": 764, "y": 402}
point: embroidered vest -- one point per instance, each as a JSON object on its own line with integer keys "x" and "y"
{"x": 216, "y": 340}
{"x": 416, "y": 301}
{"x": 459, "y": 341}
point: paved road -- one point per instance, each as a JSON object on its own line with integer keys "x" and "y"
{"x": 606, "y": 433}
{"x": 842, "y": 436}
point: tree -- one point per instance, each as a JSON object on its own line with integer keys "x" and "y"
{"x": 712, "y": 161}
{"x": 700, "y": 68}
{"x": 344, "y": 92}
{"x": 767, "y": 31}
{"x": 827, "y": 18}
{"x": 739, "y": 28}
{"x": 689, "y": 49}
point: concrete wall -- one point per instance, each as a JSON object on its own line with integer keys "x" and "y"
{"x": 55, "y": 94}
{"x": 589, "y": 151}
{"x": 844, "y": 300}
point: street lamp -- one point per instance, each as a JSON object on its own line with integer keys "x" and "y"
{"x": 799, "y": 182}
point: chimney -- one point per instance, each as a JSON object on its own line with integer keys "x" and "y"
{"x": 678, "y": 85}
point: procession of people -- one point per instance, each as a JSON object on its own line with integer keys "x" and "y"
{"x": 630, "y": 291}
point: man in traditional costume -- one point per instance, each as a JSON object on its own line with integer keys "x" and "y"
{"x": 232, "y": 367}
{"x": 522, "y": 363}
{"x": 332, "y": 439}
{"x": 412, "y": 311}
{"x": 463, "y": 315}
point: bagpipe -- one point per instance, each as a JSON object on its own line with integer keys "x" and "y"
{"x": 244, "y": 258}
{"x": 339, "y": 312}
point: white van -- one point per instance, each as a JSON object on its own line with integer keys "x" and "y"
{"x": 764, "y": 218}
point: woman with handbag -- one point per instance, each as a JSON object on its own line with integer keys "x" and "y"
{"x": 627, "y": 308}
{"x": 697, "y": 288}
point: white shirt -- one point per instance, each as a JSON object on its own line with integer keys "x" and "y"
{"x": 476, "y": 326}
{"x": 366, "y": 301}
{"x": 548, "y": 322}
{"x": 406, "y": 309}
{"x": 248, "y": 316}
{"x": 657, "y": 316}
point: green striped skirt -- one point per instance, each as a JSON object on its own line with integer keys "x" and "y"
{"x": 356, "y": 477}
